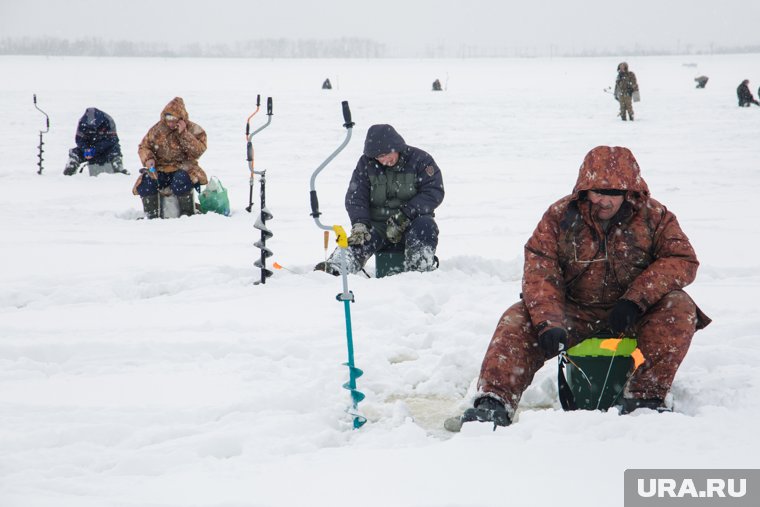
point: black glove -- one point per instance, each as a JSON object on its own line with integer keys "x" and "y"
{"x": 624, "y": 314}
{"x": 553, "y": 341}
{"x": 359, "y": 234}
{"x": 395, "y": 227}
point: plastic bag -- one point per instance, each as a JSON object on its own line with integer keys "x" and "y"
{"x": 214, "y": 198}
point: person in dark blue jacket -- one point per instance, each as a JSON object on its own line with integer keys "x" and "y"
{"x": 391, "y": 200}
{"x": 96, "y": 143}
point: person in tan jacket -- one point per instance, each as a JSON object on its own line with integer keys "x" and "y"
{"x": 607, "y": 257}
{"x": 169, "y": 153}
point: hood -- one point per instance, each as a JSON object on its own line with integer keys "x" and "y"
{"x": 93, "y": 119}
{"x": 611, "y": 167}
{"x": 382, "y": 139}
{"x": 175, "y": 107}
{"x": 622, "y": 67}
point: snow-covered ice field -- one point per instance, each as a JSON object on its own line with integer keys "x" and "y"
{"x": 140, "y": 366}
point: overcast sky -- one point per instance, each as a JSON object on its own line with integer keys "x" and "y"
{"x": 570, "y": 25}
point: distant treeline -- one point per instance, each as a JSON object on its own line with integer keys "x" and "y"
{"x": 331, "y": 48}
{"x": 264, "y": 48}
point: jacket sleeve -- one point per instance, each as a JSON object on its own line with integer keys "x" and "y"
{"x": 675, "y": 265}
{"x": 193, "y": 141}
{"x": 543, "y": 283}
{"x": 357, "y": 195}
{"x": 145, "y": 150}
{"x": 429, "y": 189}
{"x": 82, "y": 139}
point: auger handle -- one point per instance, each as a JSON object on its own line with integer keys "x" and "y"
{"x": 347, "y": 115}
{"x": 47, "y": 118}
{"x": 248, "y": 122}
{"x": 314, "y": 204}
{"x": 312, "y": 183}
{"x": 269, "y": 118}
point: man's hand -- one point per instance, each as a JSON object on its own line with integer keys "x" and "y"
{"x": 359, "y": 234}
{"x": 396, "y": 225}
{"x": 181, "y": 126}
{"x": 150, "y": 165}
{"x": 624, "y": 315}
{"x": 553, "y": 341}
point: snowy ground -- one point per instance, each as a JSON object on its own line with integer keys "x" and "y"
{"x": 140, "y": 366}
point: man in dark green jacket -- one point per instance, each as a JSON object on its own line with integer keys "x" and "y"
{"x": 391, "y": 200}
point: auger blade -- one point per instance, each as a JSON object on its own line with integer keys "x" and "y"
{"x": 264, "y": 250}
{"x": 356, "y": 395}
{"x": 354, "y": 371}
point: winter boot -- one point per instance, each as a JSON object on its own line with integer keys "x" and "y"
{"x": 186, "y": 204}
{"x": 72, "y": 166}
{"x": 118, "y": 166}
{"x": 628, "y": 405}
{"x": 420, "y": 259}
{"x": 487, "y": 409}
{"x": 327, "y": 268}
{"x": 150, "y": 206}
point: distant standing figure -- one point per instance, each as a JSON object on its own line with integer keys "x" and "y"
{"x": 701, "y": 81}
{"x": 327, "y": 85}
{"x": 745, "y": 96}
{"x": 437, "y": 85}
{"x": 96, "y": 143}
{"x": 625, "y": 87}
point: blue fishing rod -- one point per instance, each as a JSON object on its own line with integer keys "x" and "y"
{"x": 346, "y": 296}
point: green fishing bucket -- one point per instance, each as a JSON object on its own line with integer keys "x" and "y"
{"x": 389, "y": 262}
{"x": 593, "y": 373}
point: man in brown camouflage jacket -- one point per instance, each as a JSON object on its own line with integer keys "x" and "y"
{"x": 606, "y": 257}
{"x": 169, "y": 153}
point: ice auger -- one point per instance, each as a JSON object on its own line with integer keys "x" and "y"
{"x": 346, "y": 296}
{"x": 47, "y": 129}
{"x": 264, "y": 214}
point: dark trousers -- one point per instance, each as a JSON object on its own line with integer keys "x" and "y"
{"x": 419, "y": 244}
{"x": 179, "y": 182}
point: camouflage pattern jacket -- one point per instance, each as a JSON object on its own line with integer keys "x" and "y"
{"x": 571, "y": 259}
{"x": 625, "y": 84}
{"x": 172, "y": 150}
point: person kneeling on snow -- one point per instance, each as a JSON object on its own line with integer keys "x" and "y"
{"x": 606, "y": 258}
{"x": 744, "y": 95}
{"x": 169, "y": 153}
{"x": 391, "y": 200}
{"x": 96, "y": 143}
